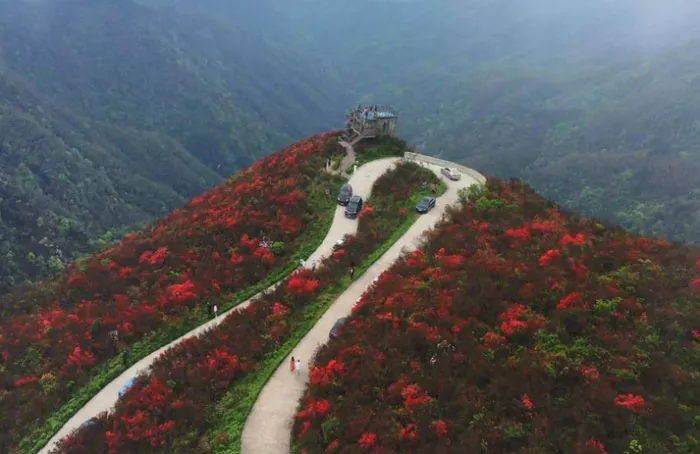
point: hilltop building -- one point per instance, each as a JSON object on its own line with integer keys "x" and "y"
{"x": 366, "y": 122}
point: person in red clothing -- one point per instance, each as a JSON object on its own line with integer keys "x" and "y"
{"x": 292, "y": 364}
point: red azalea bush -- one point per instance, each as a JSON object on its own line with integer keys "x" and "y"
{"x": 172, "y": 408}
{"x": 154, "y": 279}
{"x": 516, "y": 328}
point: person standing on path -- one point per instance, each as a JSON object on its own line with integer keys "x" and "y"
{"x": 125, "y": 357}
{"x": 352, "y": 270}
{"x": 216, "y": 310}
{"x": 298, "y": 366}
{"x": 313, "y": 265}
{"x": 302, "y": 262}
{"x": 354, "y": 168}
{"x": 292, "y": 364}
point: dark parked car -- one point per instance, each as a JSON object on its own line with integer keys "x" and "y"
{"x": 344, "y": 195}
{"x": 425, "y": 205}
{"x": 335, "y": 331}
{"x": 92, "y": 422}
{"x": 354, "y": 207}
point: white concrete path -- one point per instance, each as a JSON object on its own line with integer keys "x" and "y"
{"x": 269, "y": 425}
{"x": 104, "y": 400}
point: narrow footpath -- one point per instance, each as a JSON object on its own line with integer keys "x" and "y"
{"x": 268, "y": 427}
{"x": 362, "y": 182}
{"x": 347, "y": 161}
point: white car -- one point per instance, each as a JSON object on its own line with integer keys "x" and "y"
{"x": 451, "y": 173}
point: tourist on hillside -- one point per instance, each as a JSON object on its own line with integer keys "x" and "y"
{"x": 298, "y": 366}
{"x": 216, "y": 310}
{"x": 125, "y": 357}
{"x": 302, "y": 262}
{"x": 352, "y": 270}
{"x": 292, "y": 364}
{"x": 313, "y": 265}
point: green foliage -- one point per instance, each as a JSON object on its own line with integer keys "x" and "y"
{"x": 277, "y": 247}
{"x": 485, "y": 203}
{"x": 114, "y": 114}
{"x": 329, "y": 428}
{"x": 606, "y": 306}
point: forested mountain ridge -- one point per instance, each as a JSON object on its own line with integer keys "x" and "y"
{"x": 152, "y": 101}
{"x": 112, "y": 114}
{"x": 619, "y": 143}
{"x": 592, "y": 102}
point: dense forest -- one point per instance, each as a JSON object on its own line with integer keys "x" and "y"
{"x": 593, "y": 103}
{"x": 115, "y": 112}
{"x": 112, "y": 114}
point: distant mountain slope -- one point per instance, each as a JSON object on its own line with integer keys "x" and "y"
{"x": 112, "y": 113}
{"x": 619, "y": 141}
{"x": 592, "y": 102}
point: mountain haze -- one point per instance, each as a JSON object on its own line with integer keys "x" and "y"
{"x": 113, "y": 113}
{"x": 130, "y": 108}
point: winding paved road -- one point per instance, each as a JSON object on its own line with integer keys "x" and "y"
{"x": 361, "y": 182}
{"x": 269, "y": 425}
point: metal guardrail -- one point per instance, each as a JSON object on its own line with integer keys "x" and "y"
{"x": 441, "y": 162}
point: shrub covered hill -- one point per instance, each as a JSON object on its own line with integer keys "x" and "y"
{"x": 220, "y": 248}
{"x": 516, "y": 327}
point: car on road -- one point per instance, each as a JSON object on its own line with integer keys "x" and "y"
{"x": 451, "y": 173}
{"x": 335, "y": 331}
{"x": 354, "y": 207}
{"x": 92, "y": 422}
{"x": 344, "y": 195}
{"x": 426, "y": 204}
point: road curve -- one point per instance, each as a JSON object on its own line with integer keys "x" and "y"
{"x": 104, "y": 400}
{"x": 268, "y": 427}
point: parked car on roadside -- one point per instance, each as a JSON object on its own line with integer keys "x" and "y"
{"x": 354, "y": 207}
{"x": 335, "y": 331}
{"x": 92, "y": 422}
{"x": 452, "y": 174}
{"x": 426, "y": 204}
{"x": 344, "y": 195}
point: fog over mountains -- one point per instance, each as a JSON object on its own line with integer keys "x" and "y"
{"x": 115, "y": 112}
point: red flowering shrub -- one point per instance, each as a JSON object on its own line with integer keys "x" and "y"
{"x": 218, "y": 244}
{"x": 174, "y": 406}
{"x": 551, "y": 333}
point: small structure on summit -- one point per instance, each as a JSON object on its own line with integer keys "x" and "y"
{"x": 366, "y": 122}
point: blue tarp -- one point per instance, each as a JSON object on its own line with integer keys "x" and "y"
{"x": 126, "y": 387}
{"x": 371, "y": 115}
